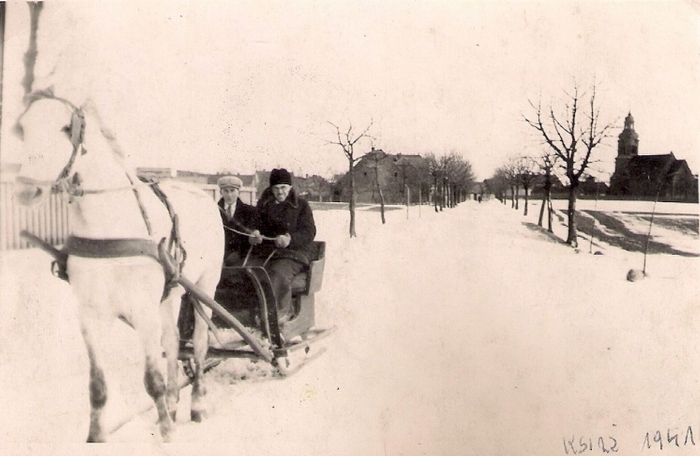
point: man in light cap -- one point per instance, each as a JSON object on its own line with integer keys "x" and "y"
{"x": 287, "y": 223}
{"x": 235, "y": 215}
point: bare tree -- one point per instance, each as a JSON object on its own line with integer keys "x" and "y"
{"x": 460, "y": 177}
{"x": 498, "y": 184}
{"x": 547, "y": 163}
{"x": 445, "y": 163}
{"x": 572, "y": 140}
{"x": 436, "y": 174}
{"x": 526, "y": 175}
{"x": 511, "y": 174}
{"x": 347, "y": 141}
{"x": 452, "y": 178}
{"x": 374, "y": 156}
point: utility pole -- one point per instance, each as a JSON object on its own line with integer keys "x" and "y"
{"x": 3, "y": 9}
{"x": 408, "y": 198}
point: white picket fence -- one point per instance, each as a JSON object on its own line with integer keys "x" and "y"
{"x": 50, "y": 221}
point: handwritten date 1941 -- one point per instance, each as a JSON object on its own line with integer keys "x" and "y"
{"x": 672, "y": 437}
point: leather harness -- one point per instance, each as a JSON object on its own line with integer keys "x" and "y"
{"x": 109, "y": 248}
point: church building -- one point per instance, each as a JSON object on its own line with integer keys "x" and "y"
{"x": 645, "y": 176}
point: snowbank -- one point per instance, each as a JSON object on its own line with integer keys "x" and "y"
{"x": 460, "y": 332}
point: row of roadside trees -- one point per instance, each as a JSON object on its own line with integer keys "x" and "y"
{"x": 570, "y": 133}
{"x": 446, "y": 179}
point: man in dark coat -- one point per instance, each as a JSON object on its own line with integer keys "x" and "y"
{"x": 237, "y": 217}
{"x": 285, "y": 230}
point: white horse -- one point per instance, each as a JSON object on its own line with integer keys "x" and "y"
{"x": 69, "y": 150}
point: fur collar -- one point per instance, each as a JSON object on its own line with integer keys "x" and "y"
{"x": 267, "y": 198}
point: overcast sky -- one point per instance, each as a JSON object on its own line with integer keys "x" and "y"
{"x": 213, "y": 86}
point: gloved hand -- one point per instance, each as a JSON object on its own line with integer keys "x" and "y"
{"x": 282, "y": 241}
{"x": 255, "y": 238}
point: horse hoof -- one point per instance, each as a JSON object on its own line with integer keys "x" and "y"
{"x": 198, "y": 415}
{"x": 166, "y": 434}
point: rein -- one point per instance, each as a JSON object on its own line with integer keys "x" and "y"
{"x": 267, "y": 238}
{"x": 66, "y": 183}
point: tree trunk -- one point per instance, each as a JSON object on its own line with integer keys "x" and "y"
{"x": 442, "y": 196}
{"x": 517, "y": 196}
{"x": 351, "y": 203}
{"x": 381, "y": 206}
{"x": 544, "y": 202}
{"x": 571, "y": 237}
{"x": 526, "y": 200}
{"x": 435, "y": 194}
{"x": 381, "y": 194}
{"x": 550, "y": 211}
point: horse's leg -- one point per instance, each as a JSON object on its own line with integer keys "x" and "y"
{"x": 171, "y": 345}
{"x": 200, "y": 340}
{"x": 93, "y": 329}
{"x": 144, "y": 324}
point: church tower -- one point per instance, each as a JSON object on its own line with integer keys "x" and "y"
{"x": 627, "y": 148}
{"x": 628, "y": 140}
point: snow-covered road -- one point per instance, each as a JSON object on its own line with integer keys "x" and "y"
{"x": 464, "y": 332}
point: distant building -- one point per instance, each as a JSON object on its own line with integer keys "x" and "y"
{"x": 313, "y": 188}
{"x": 205, "y": 181}
{"x": 645, "y": 176}
{"x": 399, "y": 175}
{"x": 157, "y": 172}
{"x": 591, "y": 187}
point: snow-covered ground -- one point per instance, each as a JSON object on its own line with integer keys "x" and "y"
{"x": 464, "y": 332}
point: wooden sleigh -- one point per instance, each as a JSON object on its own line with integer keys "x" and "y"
{"x": 246, "y": 303}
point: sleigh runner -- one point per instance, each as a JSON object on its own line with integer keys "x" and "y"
{"x": 246, "y": 295}
{"x": 243, "y": 300}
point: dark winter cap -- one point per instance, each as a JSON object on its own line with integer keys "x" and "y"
{"x": 280, "y": 176}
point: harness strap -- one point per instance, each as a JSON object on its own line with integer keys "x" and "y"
{"x": 110, "y": 248}
{"x": 175, "y": 245}
{"x": 144, "y": 214}
{"x": 114, "y": 248}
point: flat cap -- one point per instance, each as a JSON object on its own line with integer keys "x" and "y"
{"x": 229, "y": 181}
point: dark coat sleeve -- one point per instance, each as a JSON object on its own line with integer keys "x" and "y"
{"x": 306, "y": 227}
{"x": 246, "y": 215}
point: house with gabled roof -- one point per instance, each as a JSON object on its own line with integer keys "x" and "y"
{"x": 400, "y": 176}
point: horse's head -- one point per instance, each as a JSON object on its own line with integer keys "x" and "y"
{"x": 52, "y": 131}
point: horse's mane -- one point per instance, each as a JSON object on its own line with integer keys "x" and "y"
{"x": 90, "y": 107}
{"x": 107, "y": 133}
